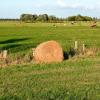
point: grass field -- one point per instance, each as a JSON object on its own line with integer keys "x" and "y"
{"x": 73, "y": 79}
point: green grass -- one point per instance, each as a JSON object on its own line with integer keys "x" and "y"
{"x": 73, "y": 79}
{"x": 20, "y": 37}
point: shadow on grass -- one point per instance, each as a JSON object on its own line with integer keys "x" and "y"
{"x": 13, "y": 40}
{"x": 14, "y": 48}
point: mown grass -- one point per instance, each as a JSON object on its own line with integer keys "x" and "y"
{"x": 73, "y": 79}
{"x": 70, "y": 80}
{"x": 20, "y": 37}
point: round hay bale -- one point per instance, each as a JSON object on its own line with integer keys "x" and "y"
{"x": 48, "y": 52}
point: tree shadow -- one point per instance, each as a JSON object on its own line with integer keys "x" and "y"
{"x": 7, "y": 47}
{"x": 13, "y": 40}
{"x": 14, "y": 48}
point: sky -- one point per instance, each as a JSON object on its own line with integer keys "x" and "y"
{"x": 59, "y": 8}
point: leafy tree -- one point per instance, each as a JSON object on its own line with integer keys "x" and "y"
{"x": 79, "y": 18}
{"x": 35, "y": 17}
{"x": 43, "y": 18}
{"x": 46, "y": 18}
{"x": 26, "y": 17}
{"x": 52, "y": 18}
{"x": 71, "y": 18}
{"x": 86, "y": 18}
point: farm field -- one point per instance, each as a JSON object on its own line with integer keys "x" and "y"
{"x": 73, "y": 79}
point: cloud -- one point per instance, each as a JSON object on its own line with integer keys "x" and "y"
{"x": 61, "y": 3}
{"x": 75, "y": 5}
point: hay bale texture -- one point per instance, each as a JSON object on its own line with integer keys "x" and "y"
{"x": 48, "y": 52}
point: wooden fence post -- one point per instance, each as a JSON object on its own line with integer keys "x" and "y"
{"x": 83, "y": 48}
{"x": 33, "y": 50}
{"x": 5, "y": 54}
{"x": 76, "y": 45}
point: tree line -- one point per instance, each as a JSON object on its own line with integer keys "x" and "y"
{"x": 39, "y": 18}
{"x": 9, "y": 19}
{"x": 51, "y": 18}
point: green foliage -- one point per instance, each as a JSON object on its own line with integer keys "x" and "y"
{"x": 47, "y": 18}
{"x": 27, "y": 17}
{"x": 34, "y": 18}
{"x": 52, "y": 19}
{"x": 79, "y": 18}
{"x": 42, "y": 18}
{"x": 71, "y": 18}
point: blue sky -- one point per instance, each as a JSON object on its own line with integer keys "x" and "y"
{"x": 60, "y": 8}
